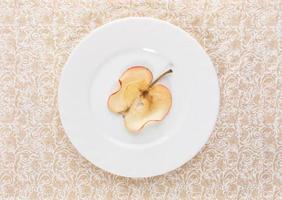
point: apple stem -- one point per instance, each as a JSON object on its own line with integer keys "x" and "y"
{"x": 160, "y": 77}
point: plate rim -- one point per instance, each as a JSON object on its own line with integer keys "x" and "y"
{"x": 85, "y": 38}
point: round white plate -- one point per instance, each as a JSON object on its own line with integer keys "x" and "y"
{"x": 91, "y": 76}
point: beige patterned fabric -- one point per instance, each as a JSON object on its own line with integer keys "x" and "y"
{"x": 243, "y": 157}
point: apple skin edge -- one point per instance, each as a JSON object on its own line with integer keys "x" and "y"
{"x": 120, "y": 87}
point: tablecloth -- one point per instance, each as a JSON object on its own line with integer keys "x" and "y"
{"x": 243, "y": 157}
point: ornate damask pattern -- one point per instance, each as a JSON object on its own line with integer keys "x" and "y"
{"x": 243, "y": 158}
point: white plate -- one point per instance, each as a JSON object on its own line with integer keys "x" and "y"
{"x": 91, "y": 75}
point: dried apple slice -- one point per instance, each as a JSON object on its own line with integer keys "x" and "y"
{"x": 140, "y": 100}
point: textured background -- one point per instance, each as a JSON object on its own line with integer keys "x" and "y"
{"x": 243, "y": 158}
